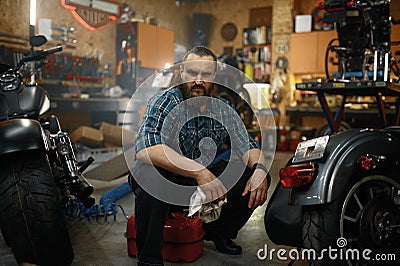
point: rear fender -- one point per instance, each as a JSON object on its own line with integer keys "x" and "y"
{"x": 339, "y": 168}
{"x": 283, "y": 222}
{"x": 21, "y": 134}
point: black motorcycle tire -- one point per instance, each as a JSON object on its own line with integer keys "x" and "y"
{"x": 31, "y": 217}
{"x": 325, "y": 129}
{"x": 321, "y": 229}
{"x": 323, "y": 224}
{"x": 241, "y": 106}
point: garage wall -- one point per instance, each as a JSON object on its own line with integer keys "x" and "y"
{"x": 14, "y": 19}
{"x": 100, "y": 42}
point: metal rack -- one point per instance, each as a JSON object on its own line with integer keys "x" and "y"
{"x": 378, "y": 89}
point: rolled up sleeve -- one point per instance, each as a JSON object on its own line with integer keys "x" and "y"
{"x": 153, "y": 120}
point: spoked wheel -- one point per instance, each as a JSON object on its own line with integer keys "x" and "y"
{"x": 365, "y": 218}
{"x": 332, "y": 66}
{"x": 370, "y": 218}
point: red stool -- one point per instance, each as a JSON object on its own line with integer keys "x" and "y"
{"x": 183, "y": 237}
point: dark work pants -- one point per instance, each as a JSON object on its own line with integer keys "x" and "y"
{"x": 151, "y": 213}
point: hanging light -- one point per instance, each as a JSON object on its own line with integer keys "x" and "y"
{"x": 32, "y": 17}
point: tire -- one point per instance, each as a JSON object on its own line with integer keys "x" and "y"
{"x": 331, "y": 57}
{"x": 351, "y": 223}
{"x": 320, "y": 230}
{"x": 246, "y": 114}
{"x": 240, "y": 105}
{"x": 244, "y": 109}
{"x": 31, "y": 217}
{"x": 325, "y": 129}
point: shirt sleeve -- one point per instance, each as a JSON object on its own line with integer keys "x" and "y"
{"x": 153, "y": 120}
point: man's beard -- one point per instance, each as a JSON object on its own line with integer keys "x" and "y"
{"x": 187, "y": 93}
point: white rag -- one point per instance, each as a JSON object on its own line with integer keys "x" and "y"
{"x": 208, "y": 212}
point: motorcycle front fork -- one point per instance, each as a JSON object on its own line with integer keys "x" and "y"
{"x": 61, "y": 148}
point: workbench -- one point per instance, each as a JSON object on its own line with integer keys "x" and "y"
{"x": 111, "y": 110}
{"x": 377, "y": 89}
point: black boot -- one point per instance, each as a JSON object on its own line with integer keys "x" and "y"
{"x": 222, "y": 243}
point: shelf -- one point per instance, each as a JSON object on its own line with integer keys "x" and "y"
{"x": 90, "y": 105}
{"x": 256, "y": 62}
{"x": 316, "y": 111}
{"x": 256, "y": 45}
{"x": 84, "y": 83}
{"x": 378, "y": 89}
{"x": 355, "y": 88}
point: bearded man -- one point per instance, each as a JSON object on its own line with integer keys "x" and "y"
{"x": 182, "y": 130}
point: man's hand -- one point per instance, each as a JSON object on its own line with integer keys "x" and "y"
{"x": 258, "y": 187}
{"x": 211, "y": 186}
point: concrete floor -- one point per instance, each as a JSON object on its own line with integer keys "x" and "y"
{"x": 103, "y": 243}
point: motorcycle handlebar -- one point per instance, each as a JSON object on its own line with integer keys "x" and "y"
{"x": 52, "y": 50}
{"x": 38, "y": 55}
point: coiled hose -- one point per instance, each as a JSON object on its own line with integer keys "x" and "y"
{"x": 106, "y": 206}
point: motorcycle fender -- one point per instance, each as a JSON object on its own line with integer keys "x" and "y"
{"x": 339, "y": 168}
{"x": 21, "y": 134}
{"x": 283, "y": 222}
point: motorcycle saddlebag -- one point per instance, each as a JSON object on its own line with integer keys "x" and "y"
{"x": 183, "y": 237}
{"x": 283, "y": 222}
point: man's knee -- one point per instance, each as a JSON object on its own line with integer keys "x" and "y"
{"x": 137, "y": 174}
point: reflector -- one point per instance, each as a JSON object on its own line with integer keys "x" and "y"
{"x": 351, "y": 3}
{"x": 370, "y": 161}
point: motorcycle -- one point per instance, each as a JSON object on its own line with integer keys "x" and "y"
{"x": 340, "y": 192}
{"x": 39, "y": 175}
{"x": 338, "y": 197}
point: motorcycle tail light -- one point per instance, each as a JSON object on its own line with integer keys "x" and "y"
{"x": 297, "y": 175}
{"x": 370, "y": 161}
{"x": 351, "y": 3}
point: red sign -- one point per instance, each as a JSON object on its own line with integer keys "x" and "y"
{"x": 93, "y": 14}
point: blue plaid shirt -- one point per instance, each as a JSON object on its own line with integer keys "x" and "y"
{"x": 190, "y": 132}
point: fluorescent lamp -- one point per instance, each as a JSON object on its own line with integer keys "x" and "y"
{"x": 32, "y": 12}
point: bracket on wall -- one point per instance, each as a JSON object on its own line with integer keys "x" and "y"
{"x": 93, "y": 14}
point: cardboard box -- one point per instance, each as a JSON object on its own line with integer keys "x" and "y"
{"x": 88, "y": 136}
{"x": 115, "y": 135}
{"x": 111, "y": 169}
{"x": 99, "y": 154}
